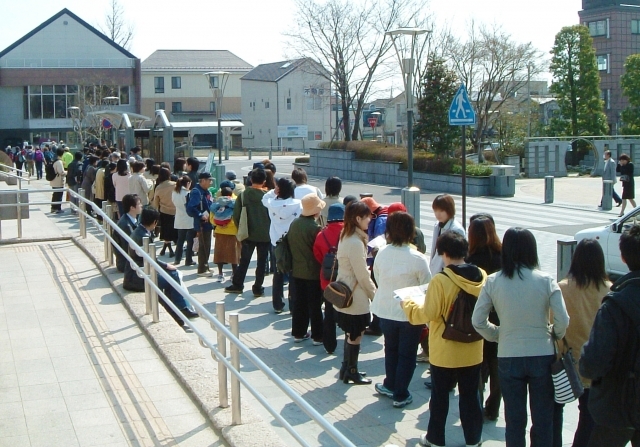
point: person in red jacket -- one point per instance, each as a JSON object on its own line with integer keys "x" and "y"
{"x": 326, "y": 240}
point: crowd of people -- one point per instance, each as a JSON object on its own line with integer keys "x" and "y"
{"x": 308, "y": 238}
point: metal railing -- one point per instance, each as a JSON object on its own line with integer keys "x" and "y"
{"x": 16, "y": 176}
{"x": 149, "y": 272}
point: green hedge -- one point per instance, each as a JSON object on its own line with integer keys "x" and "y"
{"x": 474, "y": 170}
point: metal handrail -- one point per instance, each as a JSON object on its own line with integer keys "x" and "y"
{"x": 2, "y": 165}
{"x": 237, "y": 346}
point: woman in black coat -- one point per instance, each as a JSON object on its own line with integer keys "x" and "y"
{"x": 625, "y": 168}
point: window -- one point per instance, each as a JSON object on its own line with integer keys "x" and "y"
{"x": 176, "y": 82}
{"x": 213, "y": 82}
{"x": 124, "y": 95}
{"x": 314, "y": 102}
{"x": 49, "y": 101}
{"x": 159, "y": 106}
{"x": 212, "y": 106}
{"x": 158, "y": 83}
{"x": 635, "y": 27}
{"x": 598, "y": 28}
{"x": 603, "y": 62}
{"x": 605, "y": 95}
{"x": 266, "y": 104}
{"x": 288, "y": 103}
{"x": 176, "y": 107}
{"x": 314, "y": 136}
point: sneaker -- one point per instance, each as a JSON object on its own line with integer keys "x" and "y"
{"x": 422, "y": 357}
{"x": 278, "y": 311}
{"x": 233, "y": 289}
{"x": 258, "y": 292}
{"x": 475, "y": 445}
{"x": 221, "y": 278}
{"x": 206, "y": 274}
{"x": 188, "y": 263}
{"x": 317, "y": 342}
{"x": 423, "y": 441}
{"x": 304, "y": 337}
{"x": 403, "y": 403}
{"x": 381, "y": 389}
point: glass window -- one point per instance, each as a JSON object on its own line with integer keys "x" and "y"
{"x": 33, "y": 89}
{"x": 213, "y": 81}
{"x": 598, "y": 28}
{"x": 212, "y": 106}
{"x": 159, "y": 106}
{"x": 314, "y": 136}
{"x": 47, "y": 89}
{"x": 176, "y": 82}
{"x": 635, "y": 27}
{"x": 47, "y": 106}
{"x": 25, "y": 103}
{"x": 60, "y": 88}
{"x": 176, "y": 107}
{"x": 314, "y": 102}
{"x": 603, "y": 62}
{"x": 61, "y": 106}
{"x": 266, "y": 104}
{"x": 288, "y": 103}
{"x": 124, "y": 95}
{"x": 158, "y": 83}
{"x": 72, "y": 89}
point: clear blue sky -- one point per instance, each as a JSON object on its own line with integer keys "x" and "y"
{"x": 252, "y": 29}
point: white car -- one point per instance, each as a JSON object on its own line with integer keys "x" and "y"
{"x": 609, "y": 238}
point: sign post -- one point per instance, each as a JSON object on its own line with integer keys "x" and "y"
{"x": 461, "y": 113}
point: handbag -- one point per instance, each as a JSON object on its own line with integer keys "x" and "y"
{"x": 338, "y": 294}
{"x": 243, "y": 226}
{"x": 567, "y": 385}
{"x": 625, "y": 178}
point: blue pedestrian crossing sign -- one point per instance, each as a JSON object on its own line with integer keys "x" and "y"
{"x": 461, "y": 112}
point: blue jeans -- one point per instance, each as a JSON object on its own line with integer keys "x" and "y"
{"x": 175, "y": 296}
{"x": 517, "y": 375}
{"x": 401, "y": 340}
{"x": 469, "y": 402}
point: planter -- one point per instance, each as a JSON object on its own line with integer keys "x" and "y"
{"x": 325, "y": 163}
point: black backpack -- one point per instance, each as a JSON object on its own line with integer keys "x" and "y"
{"x": 458, "y": 326}
{"x": 49, "y": 172}
{"x": 329, "y": 267}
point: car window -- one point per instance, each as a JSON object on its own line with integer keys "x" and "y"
{"x": 630, "y": 220}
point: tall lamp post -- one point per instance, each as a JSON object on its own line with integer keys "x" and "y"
{"x": 217, "y": 83}
{"x": 405, "y": 52}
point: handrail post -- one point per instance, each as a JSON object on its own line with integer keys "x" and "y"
{"x": 236, "y": 410}
{"x": 19, "y": 214}
{"x": 223, "y": 391}
{"x": 105, "y": 227}
{"x": 154, "y": 277}
{"x": 147, "y": 287}
{"x": 109, "y": 230}
{"x": 83, "y": 218}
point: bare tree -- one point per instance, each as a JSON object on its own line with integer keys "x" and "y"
{"x": 494, "y": 68}
{"x": 116, "y": 27}
{"x": 348, "y": 39}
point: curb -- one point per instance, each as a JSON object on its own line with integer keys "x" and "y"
{"x": 191, "y": 366}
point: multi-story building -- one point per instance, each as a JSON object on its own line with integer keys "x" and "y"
{"x": 55, "y": 76}
{"x": 175, "y": 81}
{"x": 286, "y": 105}
{"x": 615, "y": 29}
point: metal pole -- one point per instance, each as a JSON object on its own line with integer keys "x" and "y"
{"x": 464, "y": 177}
{"x": 19, "y": 214}
{"x": 236, "y": 410}
{"x": 105, "y": 227}
{"x": 147, "y": 287}
{"x": 271, "y": 150}
{"x": 223, "y": 391}
{"x": 83, "y": 218}
{"x": 565, "y": 250}
{"x": 410, "y": 148}
{"x": 218, "y": 136}
{"x": 154, "y": 278}
{"x": 109, "y": 232}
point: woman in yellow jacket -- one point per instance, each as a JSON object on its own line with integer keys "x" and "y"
{"x": 449, "y": 358}
{"x": 227, "y": 247}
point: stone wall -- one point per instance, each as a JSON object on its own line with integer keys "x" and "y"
{"x": 325, "y": 163}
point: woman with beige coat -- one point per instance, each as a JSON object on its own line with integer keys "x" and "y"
{"x": 583, "y": 289}
{"x": 353, "y": 271}
{"x": 163, "y": 202}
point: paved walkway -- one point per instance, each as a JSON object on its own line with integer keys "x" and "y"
{"x": 75, "y": 369}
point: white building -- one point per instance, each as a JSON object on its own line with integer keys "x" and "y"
{"x": 175, "y": 81}
{"x": 286, "y": 105}
{"x": 62, "y": 66}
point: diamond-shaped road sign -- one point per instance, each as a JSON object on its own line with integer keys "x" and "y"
{"x": 461, "y": 112}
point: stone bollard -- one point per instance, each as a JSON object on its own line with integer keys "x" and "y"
{"x": 607, "y": 195}
{"x": 411, "y": 199}
{"x": 249, "y": 154}
{"x": 548, "y": 189}
{"x": 565, "y": 250}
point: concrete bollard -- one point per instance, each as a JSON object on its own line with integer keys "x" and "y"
{"x": 565, "y": 250}
{"x": 249, "y": 154}
{"x": 147, "y": 270}
{"x": 236, "y": 406}
{"x": 411, "y": 199}
{"x": 548, "y": 189}
{"x": 155, "y": 315}
{"x": 223, "y": 391}
{"x": 607, "y": 195}
{"x": 81, "y": 214}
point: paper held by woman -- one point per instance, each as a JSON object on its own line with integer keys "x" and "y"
{"x": 416, "y": 294}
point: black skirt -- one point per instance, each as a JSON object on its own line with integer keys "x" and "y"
{"x": 628, "y": 190}
{"x": 353, "y": 325}
{"x": 167, "y": 232}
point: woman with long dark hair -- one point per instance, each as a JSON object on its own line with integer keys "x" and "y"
{"x": 120, "y": 182}
{"x": 163, "y": 202}
{"x": 485, "y": 250}
{"x": 353, "y": 271}
{"x": 182, "y": 222}
{"x": 583, "y": 289}
{"x": 523, "y": 296}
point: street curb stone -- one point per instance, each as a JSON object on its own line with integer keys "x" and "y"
{"x": 192, "y": 366}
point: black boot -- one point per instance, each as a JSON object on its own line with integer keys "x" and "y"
{"x": 345, "y": 361}
{"x": 164, "y": 248}
{"x": 352, "y": 374}
{"x": 171, "y": 253}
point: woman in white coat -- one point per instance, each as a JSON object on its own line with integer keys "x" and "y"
{"x": 444, "y": 208}
{"x": 183, "y": 224}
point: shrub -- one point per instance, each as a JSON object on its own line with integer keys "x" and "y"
{"x": 302, "y": 159}
{"x": 474, "y": 170}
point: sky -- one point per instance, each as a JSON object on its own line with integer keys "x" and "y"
{"x": 253, "y": 29}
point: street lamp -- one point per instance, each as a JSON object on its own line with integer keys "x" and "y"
{"x": 405, "y": 53}
{"x": 217, "y": 83}
{"x": 376, "y": 119}
{"x": 74, "y": 114}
